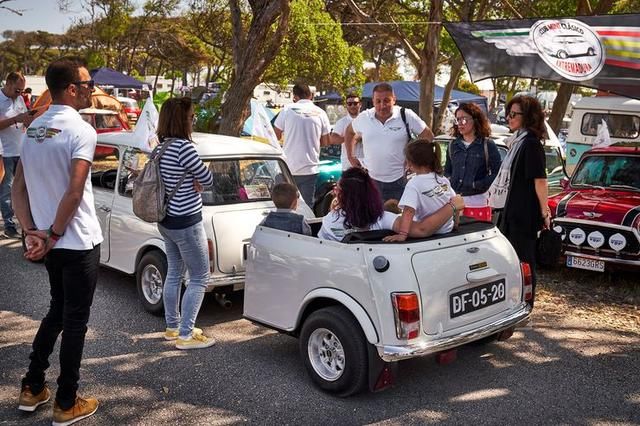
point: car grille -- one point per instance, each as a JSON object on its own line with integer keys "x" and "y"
{"x": 630, "y": 251}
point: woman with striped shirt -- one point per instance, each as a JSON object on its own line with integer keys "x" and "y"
{"x": 182, "y": 228}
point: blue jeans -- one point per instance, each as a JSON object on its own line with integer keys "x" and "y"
{"x": 185, "y": 247}
{"x": 389, "y": 190}
{"x": 10, "y": 164}
{"x": 307, "y": 186}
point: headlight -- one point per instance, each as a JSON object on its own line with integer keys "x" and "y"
{"x": 617, "y": 242}
{"x": 577, "y": 236}
{"x": 596, "y": 239}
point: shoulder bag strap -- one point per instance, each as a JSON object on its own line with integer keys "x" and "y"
{"x": 165, "y": 145}
{"x": 486, "y": 157}
{"x": 403, "y": 115}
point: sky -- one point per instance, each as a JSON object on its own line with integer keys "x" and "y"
{"x": 36, "y": 15}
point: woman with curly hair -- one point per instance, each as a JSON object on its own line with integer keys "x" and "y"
{"x": 472, "y": 160}
{"x": 520, "y": 189}
{"x": 358, "y": 207}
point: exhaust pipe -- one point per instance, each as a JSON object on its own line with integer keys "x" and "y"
{"x": 223, "y": 301}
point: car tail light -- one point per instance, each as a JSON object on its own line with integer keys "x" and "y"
{"x": 406, "y": 314}
{"x": 210, "y": 247}
{"x": 527, "y": 281}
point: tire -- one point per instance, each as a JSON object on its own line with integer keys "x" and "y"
{"x": 334, "y": 351}
{"x": 150, "y": 276}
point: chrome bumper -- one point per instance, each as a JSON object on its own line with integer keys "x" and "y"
{"x": 237, "y": 281}
{"x": 397, "y": 353}
{"x": 605, "y": 259}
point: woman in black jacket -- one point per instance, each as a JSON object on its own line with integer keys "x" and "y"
{"x": 521, "y": 186}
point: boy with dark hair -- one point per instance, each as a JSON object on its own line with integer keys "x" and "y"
{"x": 285, "y": 197}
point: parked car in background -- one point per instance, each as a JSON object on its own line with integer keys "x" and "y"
{"x": 131, "y": 108}
{"x": 244, "y": 174}
{"x": 360, "y": 305}
{"x": 598, "y": 211}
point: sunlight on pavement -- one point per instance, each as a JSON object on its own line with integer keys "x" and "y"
{"x": 132, "y": 361}
{"x": 416, "y": 417}
{"x": 16, "y": 329}
{"x": 480, "y": 395}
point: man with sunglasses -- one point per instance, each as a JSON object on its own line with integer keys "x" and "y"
{"x": 53, "y": 199}
{"x": 13, "y": 117}
{"x": 337, "y": 134}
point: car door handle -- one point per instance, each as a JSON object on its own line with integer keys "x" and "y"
{"x": 105, "y": 209}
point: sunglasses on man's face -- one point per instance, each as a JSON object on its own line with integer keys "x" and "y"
{"x": 353, "y": 103}
{"x": 91, "y": 84}
{"x": 513, "y": 114}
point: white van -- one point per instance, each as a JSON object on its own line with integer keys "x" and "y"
{"x": 621, "y": 114}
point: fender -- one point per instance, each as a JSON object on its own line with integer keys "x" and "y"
{"x": 144, "y": 247}
{"x": 348, "y": 302}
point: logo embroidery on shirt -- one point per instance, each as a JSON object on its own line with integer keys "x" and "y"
{"x": 41, "y": 133}
{"x": 436, "y": 191}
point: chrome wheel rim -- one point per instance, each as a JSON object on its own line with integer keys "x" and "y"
{"x": 326, "y": 354}
{"x": 151, "y": 283}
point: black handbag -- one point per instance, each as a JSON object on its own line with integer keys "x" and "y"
{"x": 548, "y": 248}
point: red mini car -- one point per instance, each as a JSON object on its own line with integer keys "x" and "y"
{"x": 598, "y": 211}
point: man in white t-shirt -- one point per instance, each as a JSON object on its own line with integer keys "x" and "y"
{"x": 13, "y": 117}
{"x": 306, "y": 128}
{"x": 1, "y": 163}
{"x": 337, "y": 134}
{"x": 53, "y": 200}
{"x": 384, "y": 135}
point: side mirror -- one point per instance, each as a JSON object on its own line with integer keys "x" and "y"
{"x": 564, "y": 183}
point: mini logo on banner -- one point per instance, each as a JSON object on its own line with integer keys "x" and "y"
{"x": 570, "y": 47}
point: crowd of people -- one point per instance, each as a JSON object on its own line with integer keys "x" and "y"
{"x": 48, "y": 188}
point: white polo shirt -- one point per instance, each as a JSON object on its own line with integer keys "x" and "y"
{"x": 11, "y": 136}
{"x": 51, "y": 142}
{"x": 333, "y": 225}
{"x": 427, "y": 194}
{"x": 302, "y": 123}
{"x": 339, "y": 128}
{"x": 383, "y": 144}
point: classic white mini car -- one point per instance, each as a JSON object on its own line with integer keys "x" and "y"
{"x": 244, "y": 174}
{"x": 359, "y": 305}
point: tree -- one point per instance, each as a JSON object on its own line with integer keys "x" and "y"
{"x": 256, "y": 41}
{"x": 314, "y": 51}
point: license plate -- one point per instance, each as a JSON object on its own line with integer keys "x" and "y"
{"x": 472, "y": 299}
{"x": 584, "y": 263}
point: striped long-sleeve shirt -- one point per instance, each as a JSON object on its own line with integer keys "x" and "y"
{"x": 181, "y": 156}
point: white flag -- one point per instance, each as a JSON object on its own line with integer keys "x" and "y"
{"x": 147, "y": 126}
{"x": 261, "y": 128}
{"x": 602, "y": 137}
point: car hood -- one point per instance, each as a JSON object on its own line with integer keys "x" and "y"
{"x": 601, "y": 205}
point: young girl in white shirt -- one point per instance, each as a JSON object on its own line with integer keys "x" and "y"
{"x": 427, "y": 191}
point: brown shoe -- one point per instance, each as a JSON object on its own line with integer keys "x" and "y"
{"x": 29, "y": 402}
{"x": 82, "y": 409}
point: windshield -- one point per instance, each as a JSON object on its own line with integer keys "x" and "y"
{"x": 243, "y": 180}
{"x": 608, "y": 171}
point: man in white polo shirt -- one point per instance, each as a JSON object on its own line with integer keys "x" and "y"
{"x": 306, "y": 128}
{"x": 384, "y": 136}
{"x": 53, "y": 200}
{"x": 14, "y": 117}
{"x": 337, "y": 134}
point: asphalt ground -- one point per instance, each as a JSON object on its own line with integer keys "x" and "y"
{"x": 562, "y": 369}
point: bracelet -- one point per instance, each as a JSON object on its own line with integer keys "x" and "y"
{"x": 52, "y": 235}
{"x": 455, "y": 211}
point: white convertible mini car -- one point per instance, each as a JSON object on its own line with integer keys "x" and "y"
{"x": 359, "y": 305}
{"x": 244, "y": 174}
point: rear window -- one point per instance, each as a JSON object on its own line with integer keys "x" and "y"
{"x": 608, "y": 171}
{"x": 620, "y": 125}
{"x": 107, "y": 121}
{"x": 243, "y": 180}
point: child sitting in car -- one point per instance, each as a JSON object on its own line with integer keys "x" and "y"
{"x": 285, "y": 197}
{"x": 426, "y": 192}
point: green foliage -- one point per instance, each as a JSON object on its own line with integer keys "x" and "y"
{"x": 315, "y": 52}
{"x": 467, "y": 86}
{"x": 95, "y": 60}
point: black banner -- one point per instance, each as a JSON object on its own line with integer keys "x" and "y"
{"x": 602, "y": 52}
